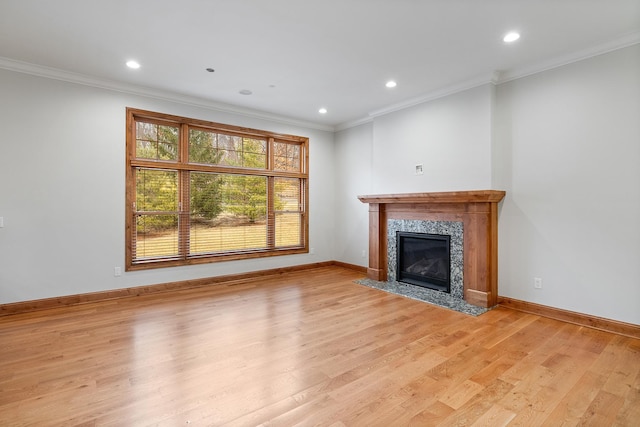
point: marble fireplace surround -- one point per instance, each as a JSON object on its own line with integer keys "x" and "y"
{"x": 476, "y": 210}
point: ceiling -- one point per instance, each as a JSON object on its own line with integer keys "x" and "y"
{"x": 296, "y": 56}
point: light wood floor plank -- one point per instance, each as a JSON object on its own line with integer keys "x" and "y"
{"x": 308, "y": 348}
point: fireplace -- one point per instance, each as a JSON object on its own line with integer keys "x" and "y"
{"x": 474, "y": 255}
{"x": 424, "y": 260}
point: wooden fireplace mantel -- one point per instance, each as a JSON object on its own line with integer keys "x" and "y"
{"x": 477, "y": 210}
{"x": 478, "y": 196}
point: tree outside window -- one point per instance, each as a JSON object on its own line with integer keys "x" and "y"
{"x": 204, "y": 192}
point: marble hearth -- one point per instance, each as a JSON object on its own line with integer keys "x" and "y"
{"x": 470, "y": 217}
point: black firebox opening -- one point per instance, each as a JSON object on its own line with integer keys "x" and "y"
{"x": 424, "y": 260}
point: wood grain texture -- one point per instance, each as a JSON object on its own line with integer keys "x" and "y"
{"x": 308, "y": 348}
{"x": 474, "y": 196}
{"x": 69, "y": 300}
{"x": 377, "y": 243}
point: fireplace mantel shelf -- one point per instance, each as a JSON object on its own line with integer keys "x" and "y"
{"x": 477, "y": 196}
{"x": 477, "y": 210}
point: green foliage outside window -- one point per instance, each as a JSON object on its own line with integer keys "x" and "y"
{"x": 210, "y": 196}
{"x": 156, "y": 191}
{"x": 157, "y": 142}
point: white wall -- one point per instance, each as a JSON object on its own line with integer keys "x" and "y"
{"x": 62, "y": 167}
{"x": 564, "y": 144}
{"x": 450, "y": 137}
{"x": 568, "y": 141}
{"x": 353, "y": 178}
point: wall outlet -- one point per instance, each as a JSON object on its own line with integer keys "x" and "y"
{"x": 312, "y": 251}
{"x": 419, "y": 169}
{"x": 537, "y": 283}
{"x": 364, "y": 253}
{"x": 117, "y": 271}
{"x": 1, "y": 221}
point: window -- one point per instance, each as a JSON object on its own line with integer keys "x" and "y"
{"x": 203, "y": 192}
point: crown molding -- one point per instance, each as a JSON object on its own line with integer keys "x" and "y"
{"x": 431, "y": 96}
{"x": 81, "y": 79}
{"x": 490, "y": 78}
{"x": 353, "y": 123}
{"x": 437, "y": 94}
{"x": 559, "y": 61}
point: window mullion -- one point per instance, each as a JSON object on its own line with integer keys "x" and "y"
{"x": 271, "y": 215}
{"x": 304, "y": 210}
{"x": 270, "y": 154}
{"x": 184, "y": 192}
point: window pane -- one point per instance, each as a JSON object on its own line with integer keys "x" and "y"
{"x": 203, "y": 147}
{"x": 288, "y": 205}
{"x": 228, "y": 213}
{"x": 229, "y": 150}
{"x": 242, "y": 152}
{"x": 288, "y": 229}
{"x": 206, "y": 196}
{"x": 156, "y": 216}
{"x": 254, "y": 153}
{"x": 287, "y": 195}
{"x": 156, "y": 142}
{"x": 156, "y": 236}
{"x": 246, "y": 196}
{"x": 156, "y": 190}
{"x": 286, "y": 157}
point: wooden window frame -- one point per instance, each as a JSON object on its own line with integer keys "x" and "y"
{"x": 182, "y": 165}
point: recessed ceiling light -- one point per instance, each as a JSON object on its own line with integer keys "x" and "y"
{"x": 322, "y": 111}
{"x": 391, "y": 83}
{"x": 133, "y": 64}
{"x": 511, "y": 37}
{"x": 245, "y": 92}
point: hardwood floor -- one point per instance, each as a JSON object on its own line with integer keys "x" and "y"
{"x": 308, "y": 348}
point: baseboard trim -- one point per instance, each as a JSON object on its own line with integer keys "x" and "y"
{"x": 69, "y": 300}
{"x": 358, "y": 268}
{"x": 608, "y": 325}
